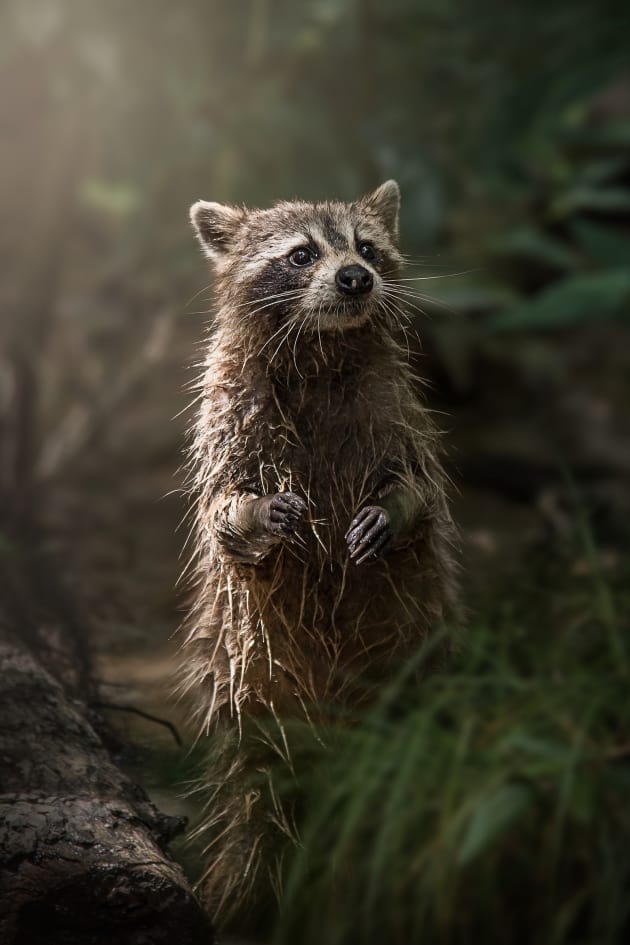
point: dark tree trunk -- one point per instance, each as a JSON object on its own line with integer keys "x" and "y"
{"x": 82, "y": 850}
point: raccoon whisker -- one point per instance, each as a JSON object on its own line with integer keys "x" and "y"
{"x": 392, "y": 293}
{"x": 211, "y": 310}
{"x": 400, "y": 307}
{"x": 446, "y": 275}
{"x": 296, "y": 323}
{"x": 286, "y": 293}
{"x": 303, "y": 323}
{"x": 408, "y": 305}
{"x": 400, "y": 327}
{"x": 270, "y": 339}
{"x": 403, "y": 314}
{"x": 415, "y": 263}
{"x": 394, "y": 315}
{"x": 282, "y": 328}
{"x": 407, "y": 295}
{"x": 300, "y": 324}
{"x": 413, "y": 334}
{"x": 259, "y": 307}
{"x": 270, "y": 301}
{"x": 420, "y": 262}
{"x": 399, "y": 285}
{"x": 410, "y": 293}
{"x": 401, "y": 304}
{"x": 319, "y": 331}
{"x": 192, "y": 298}
{"x": 382, "y": 306}
{"x": 386, "y": 306}
{"x": 266, "y": 301}
{"x": 262, "y": 308}
{"x": 285, "y": 338}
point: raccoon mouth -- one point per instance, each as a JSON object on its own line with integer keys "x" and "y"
{"x": 340, "y": 314}
{"x": 349, "y": 307}
{"x": 338, "y": 317}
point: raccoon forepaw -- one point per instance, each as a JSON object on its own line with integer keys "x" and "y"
{"x": 286, "y": 511}
{"x": 369, "y": 532}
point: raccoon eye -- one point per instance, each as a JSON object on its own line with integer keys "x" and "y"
{"x": 367, "y": 251}
{"x": 302, "y": 256}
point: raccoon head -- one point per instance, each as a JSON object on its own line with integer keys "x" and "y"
{"x": 323, "y": 267}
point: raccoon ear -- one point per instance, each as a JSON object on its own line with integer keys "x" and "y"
{"x": 385, "y": 203}
{"x": 215, "y": 224}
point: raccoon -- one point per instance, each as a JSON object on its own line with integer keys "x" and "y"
{"x": 323, "y": 539}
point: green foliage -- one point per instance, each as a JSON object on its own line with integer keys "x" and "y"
{"x": 559, "y": 261}
{"x": 581, "y": 298}
{"x": 576, "y": 247}
{"x": 531, "y": 245}
{"x": 489, "y": 804}
{"x": 602, "y": 244}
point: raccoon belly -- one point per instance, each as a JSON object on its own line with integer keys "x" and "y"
{"x": 298, "y": 633}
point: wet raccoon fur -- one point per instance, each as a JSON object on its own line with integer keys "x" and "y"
{"x": 323, "y": 537}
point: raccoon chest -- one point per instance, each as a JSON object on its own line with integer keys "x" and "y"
{"x": 335, "y": 461}
{"x": 322, "y": 440}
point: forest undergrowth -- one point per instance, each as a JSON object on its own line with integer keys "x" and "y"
{"x": 489, "y": 803}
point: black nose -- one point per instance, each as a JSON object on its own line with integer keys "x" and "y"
{"x": 354, "y": 280}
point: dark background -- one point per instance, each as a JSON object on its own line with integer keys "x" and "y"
{"x": 507, "y": 126}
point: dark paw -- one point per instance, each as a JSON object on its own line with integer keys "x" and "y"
{"x": 368, "y": 534}
{"x": 286, "y": 511}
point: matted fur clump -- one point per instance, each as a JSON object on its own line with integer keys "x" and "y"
{"x": 322, "y": 535}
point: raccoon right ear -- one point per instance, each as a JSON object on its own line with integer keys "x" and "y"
{"x": 385, "y": 202}
{"x": 215, "y": 225}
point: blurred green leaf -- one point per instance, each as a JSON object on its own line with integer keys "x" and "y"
{"x": 594, "y": 199}
{"x": 613, "y": 135}
{"x": 535, "y": 747}
{"x": 606, "y": 246}
{"x": 528, "y": 243}
{"x": 492, "y": 816}
{"x": 602, "y": 170}
{"x": 581, "y": 800}
{"x": 577, "y": 299}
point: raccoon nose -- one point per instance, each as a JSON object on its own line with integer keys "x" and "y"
{"x": 354, "y": 280}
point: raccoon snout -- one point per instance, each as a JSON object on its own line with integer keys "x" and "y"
{"x": 354, "y": 280}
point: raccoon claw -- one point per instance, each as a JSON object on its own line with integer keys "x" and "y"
{"x": 368, "y": 534}
{"x": 286, "y": 511}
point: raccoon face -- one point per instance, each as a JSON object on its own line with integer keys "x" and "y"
{"x": 321, "y": 266}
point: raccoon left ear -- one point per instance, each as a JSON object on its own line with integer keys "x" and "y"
{"x": 215, "y": 225}
{"x": 385, "y": 203}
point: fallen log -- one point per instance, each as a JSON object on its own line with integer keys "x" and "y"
{"x": 83, "y": 856}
